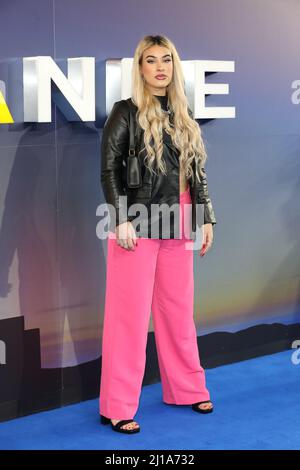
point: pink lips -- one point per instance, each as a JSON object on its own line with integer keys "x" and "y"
{"x": 160, "y": 77}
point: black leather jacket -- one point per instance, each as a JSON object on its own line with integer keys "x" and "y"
{"x": 114, "y": 154}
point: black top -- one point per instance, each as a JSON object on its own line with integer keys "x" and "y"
{"x": 163, "y": 101}
{"x": 169, "y": 186}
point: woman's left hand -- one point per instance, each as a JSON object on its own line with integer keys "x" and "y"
{"x": 208, "y": 237}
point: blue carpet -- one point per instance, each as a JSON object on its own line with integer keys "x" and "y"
{"x": 256, "y": 403}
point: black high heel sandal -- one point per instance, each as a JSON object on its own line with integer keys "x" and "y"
{"x": 118, "y": 427}
{"x": 196, "y": 408}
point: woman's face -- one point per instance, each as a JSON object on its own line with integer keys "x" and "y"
{"x": 157, "y": 60}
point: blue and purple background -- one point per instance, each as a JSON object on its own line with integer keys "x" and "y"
{"x": 53, "y": 266}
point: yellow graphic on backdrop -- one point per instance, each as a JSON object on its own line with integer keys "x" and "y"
{"x": 5, "y": 116}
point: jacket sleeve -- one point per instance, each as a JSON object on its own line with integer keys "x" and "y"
{"x": 209, "y": 215}
{"x": 203, "y": 197}
{"x": 114, "y": 147}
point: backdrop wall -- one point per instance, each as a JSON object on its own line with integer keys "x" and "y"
{"x": 52, "y": 265}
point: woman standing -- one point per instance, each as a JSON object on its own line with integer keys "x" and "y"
{"x": 152, "y": 270}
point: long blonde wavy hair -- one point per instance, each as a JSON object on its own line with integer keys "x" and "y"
{"x": 185, "y": 132}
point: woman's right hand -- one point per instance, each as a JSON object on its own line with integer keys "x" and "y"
{"x": 126, "y": 236}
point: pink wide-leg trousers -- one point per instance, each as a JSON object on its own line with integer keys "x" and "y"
{"x": 158, "y": 276}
